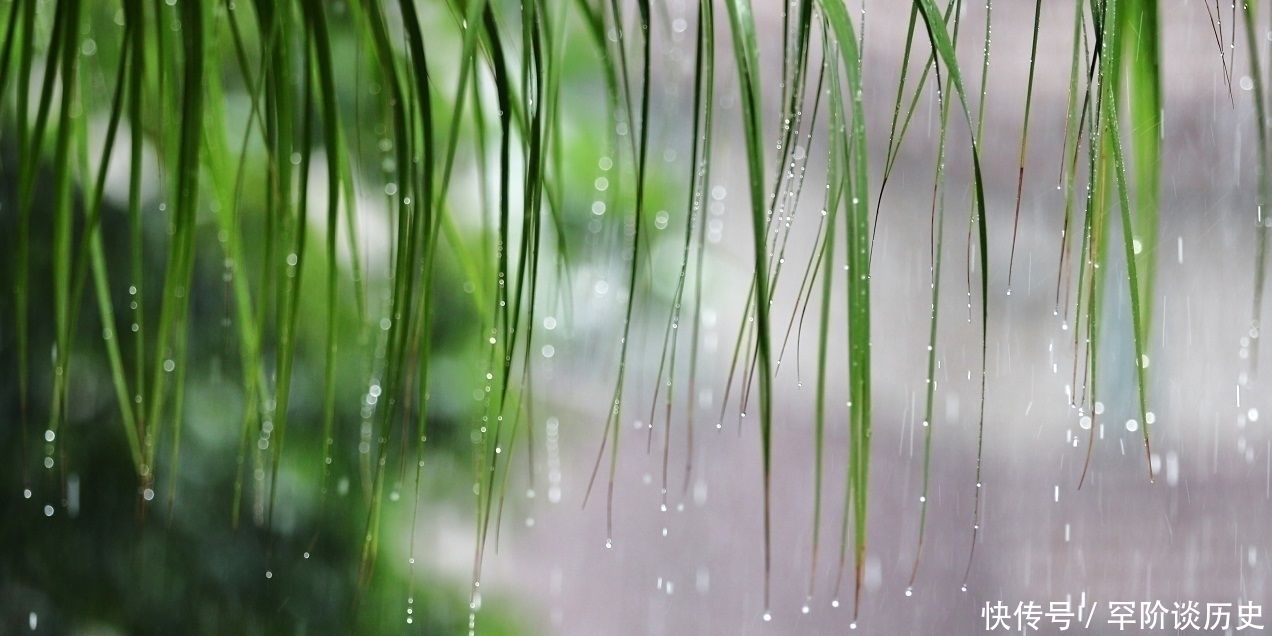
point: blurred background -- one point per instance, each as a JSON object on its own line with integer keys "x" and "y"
{"x": 234, "y": 535}
{"x": 1198, "y": 533}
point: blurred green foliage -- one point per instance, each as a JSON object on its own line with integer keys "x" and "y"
{"x": 95, "y": 545}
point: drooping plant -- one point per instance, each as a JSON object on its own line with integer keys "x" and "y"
{"x": 272, "y": 123}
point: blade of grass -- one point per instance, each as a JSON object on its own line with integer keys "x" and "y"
{"x": 1024, "y": 137}
{"x": 746, "y": 57}
{"x": 613, "y": 423}
{"x": 27, "y": 147}
{"x": 939, "y": 38}
{"x": 705, "y": 56}
{"x": 297, "y": 147}
{"x": 937, "y": 233}
{"x": 1133, "y": 278}
{"x": 338, "y": 183}
{"x": 177, "y": 278}
{"x": 1072, "y": 139}
{"x": 1133, "y": 50}
{"x": 1140, "y": 57}
{"x": 699, "y": 161}
{"x": 857, "y": 238}
{"x": 68, "y": 130}
{"x": 984, "y": 247}
{"x": 500, "y": 347}
{"x": 1264, "y": 225}
{"x": 91, "y": 257}
{"x": 937, "y": 228}
{"x": 1097, "y": 207}
{"x": 835, "y": 177}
